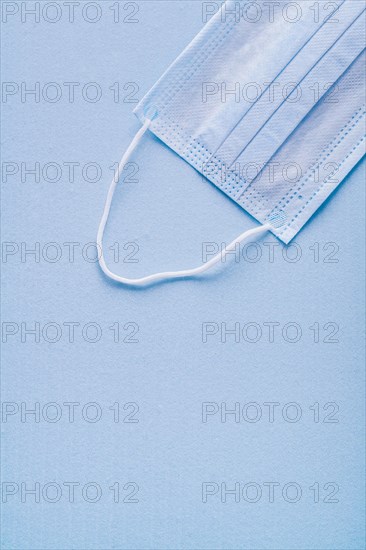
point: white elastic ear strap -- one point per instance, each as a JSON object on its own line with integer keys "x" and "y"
{"x": 166, "y": 275}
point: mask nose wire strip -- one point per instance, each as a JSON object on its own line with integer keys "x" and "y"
{"x": 167, "y": 274}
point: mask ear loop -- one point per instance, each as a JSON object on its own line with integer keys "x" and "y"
{"x": 166, "y": 275}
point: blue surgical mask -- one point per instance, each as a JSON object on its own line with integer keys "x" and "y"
{"x": 269, "y": 109}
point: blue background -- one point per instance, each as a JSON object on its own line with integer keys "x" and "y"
{"x": 168, "y": 212}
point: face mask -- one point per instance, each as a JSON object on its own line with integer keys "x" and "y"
{"x": 270, "y": 109}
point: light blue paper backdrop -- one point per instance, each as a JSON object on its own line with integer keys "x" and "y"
{"x": 170, "y": 371}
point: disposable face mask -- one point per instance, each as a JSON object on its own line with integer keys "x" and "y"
{"x": 270, "y": 109}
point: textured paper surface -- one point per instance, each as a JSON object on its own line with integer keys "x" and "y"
{"x": 170, "y": 371}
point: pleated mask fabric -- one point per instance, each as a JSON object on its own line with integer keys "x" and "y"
{"x": 268, "y": 104}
